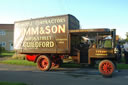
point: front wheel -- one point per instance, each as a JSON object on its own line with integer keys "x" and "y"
{"x": 44, "y": 63}
{"x": 106, "y": 67}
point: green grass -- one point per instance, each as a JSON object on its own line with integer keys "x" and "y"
{"x": 64, "y": 65}
{"x": 10, "y": 83}
{"x": 6, "y": 53}
{"x": 19, "y": 62}
{"x": 122, "y": 66}
{"x": 28, "y": 63}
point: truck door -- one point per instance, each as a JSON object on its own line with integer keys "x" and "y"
{"x": 84, "y": 46}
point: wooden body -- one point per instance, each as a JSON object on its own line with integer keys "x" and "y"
{"x": 44, "y": 35}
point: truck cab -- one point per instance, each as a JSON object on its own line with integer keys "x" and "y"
{"x": 93, "y": 45}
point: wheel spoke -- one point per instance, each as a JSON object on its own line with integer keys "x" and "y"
{"x": 106, "y": 67}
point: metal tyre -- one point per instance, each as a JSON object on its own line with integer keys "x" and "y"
{"x": 44, "y": 63}
{"x": 106, "y": 68}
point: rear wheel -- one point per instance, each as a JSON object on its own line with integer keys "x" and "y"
{"x": 44, "y": 63}
{"x": 106, "y": 67}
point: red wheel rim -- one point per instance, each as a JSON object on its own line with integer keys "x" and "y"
{"x": 106, "y": 68}
{"x": 43, "y": 63}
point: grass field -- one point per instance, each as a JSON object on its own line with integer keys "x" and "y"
{"x": 122, "y": 66}
{"x": 3, "y": 54}
{"x": 19, "y": 62}
{"x": 66, "y": 65}
{"x": 10, "y": 83}
{"x": 28, "y": 63}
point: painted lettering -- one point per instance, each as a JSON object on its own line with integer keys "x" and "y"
{"x": 47, "y": 44}
{"x": 44, "y": 30}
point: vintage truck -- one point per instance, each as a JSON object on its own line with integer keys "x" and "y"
{"x": 46, "y": 41}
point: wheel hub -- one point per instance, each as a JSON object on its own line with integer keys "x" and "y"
{"x": 44, "y": 63}
{"x": 107, "y": 68}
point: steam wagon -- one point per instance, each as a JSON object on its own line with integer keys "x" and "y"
{"x": 46, "y": 41}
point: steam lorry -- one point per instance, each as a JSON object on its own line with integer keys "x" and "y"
{"x": 46, "y": 41}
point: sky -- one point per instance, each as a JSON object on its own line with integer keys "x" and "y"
{"x": 91, "y": 13}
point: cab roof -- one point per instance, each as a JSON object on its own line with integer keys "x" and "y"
{"x": 102, "y": 31}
